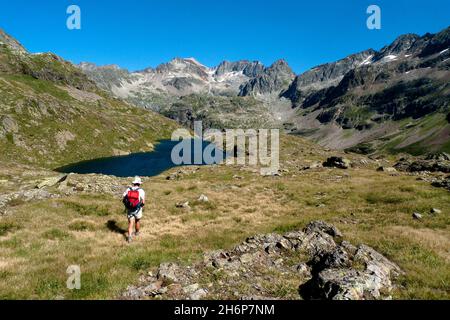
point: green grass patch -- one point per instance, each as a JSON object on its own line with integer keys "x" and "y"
{"x": 55, "y": 234}
{"x": 87, "y": 209}
{"x": 82, "y": 226}
{"x": 6, "y": 227}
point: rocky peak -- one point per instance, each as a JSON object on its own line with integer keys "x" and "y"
{"x": 250, "y": 69}
{"x": 403, "y": 44}
{"x": 185, "y": 67}
{"x": 326, "y": 75}
{"x": 437, "y": 43}
{"x": 280, "y": 66}
{"x": 273, "y": 79}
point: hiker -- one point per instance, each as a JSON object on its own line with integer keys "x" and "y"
{"x": 134, "y": 201}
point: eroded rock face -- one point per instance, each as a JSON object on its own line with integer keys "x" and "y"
{"x": 311, "y": 264}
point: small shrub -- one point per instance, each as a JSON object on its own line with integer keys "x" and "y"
{"x": 6, "y": 227}
{"x": 140, "y": 263}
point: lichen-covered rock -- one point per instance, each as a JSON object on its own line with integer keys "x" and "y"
{"x": 322, "y": 226}
{"x": 170, "y": 272}
{"x": 310, "y": 262}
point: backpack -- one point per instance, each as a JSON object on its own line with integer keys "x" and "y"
{"x": 131, "y": 200}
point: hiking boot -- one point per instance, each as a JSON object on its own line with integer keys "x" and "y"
{"x": 129, "y": 239}
{"x": 137, "y": 233}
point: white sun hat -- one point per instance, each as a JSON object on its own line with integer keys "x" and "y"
{"x": 137, "y": 180}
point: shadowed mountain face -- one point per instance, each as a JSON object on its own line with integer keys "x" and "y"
{"x": 395, "y": 99}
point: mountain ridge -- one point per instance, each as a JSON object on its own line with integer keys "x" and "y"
{"x": 362, "y": 99}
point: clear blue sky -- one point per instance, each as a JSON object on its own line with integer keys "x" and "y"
{"x": 139, "y": 33}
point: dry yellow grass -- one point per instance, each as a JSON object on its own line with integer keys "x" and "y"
{"x": 368, "y": 206}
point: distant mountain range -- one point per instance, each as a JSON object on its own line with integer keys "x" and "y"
{"x": 395, "y": 99}
{"x": 184, "y": 76}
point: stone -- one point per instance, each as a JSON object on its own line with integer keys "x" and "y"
{"x": 337, "y": 162}
{"x": 198, "y": 295}
{"x": 246, "y": 258}
{"x": 184, "y": 205}
{"x": 338, "y": 258}
{"x": 417, "y": 216}
{"x": 169, "y": 271}
{"x": 268, "y": 172}
{"x": 316, "y": 164}
{"x": 191, "y": 288}
{"x": 173, "y": 176}
{"x": 50, "y": 182}
{"x": 435, "y": 211}
{"x": 9, "y": 125}
{"x": 345, "y": 284}
{"x": 387, "y": 169}
{"x": 203, "y": 198}
{"x": 284, "y": 244}
{"x": 442, "y": 183}
{"x": 303, "y": 270}
{"x": 422, "y": 165}
{"x": 322, "y": 226}
{"x": 153, "y": 288}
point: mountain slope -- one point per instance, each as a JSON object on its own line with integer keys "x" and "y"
{"x": 51, "y": 114}
{"x": 396, "y": 100}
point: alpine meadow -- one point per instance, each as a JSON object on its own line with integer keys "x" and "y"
{"x": 352, "y": 203}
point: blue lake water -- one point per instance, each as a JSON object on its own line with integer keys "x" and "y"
{"x": 135, "y": 164}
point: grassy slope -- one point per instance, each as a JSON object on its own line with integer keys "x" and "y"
{"x": 101, "y": 126}
{"x": 38, "y": 240}
{"x": 371, "y": 207}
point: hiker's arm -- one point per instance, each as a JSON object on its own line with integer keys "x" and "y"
{"x": 125, "y": 194}
{"x": 143, "y": 197}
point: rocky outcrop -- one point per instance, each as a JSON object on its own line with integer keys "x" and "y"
{"x": 432, "y": 163}
{"x": 309, "y": 264}
{"x": 337, "y": 162}
{"x": 13, "y": 199}
{"x": 442, "y": 183}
